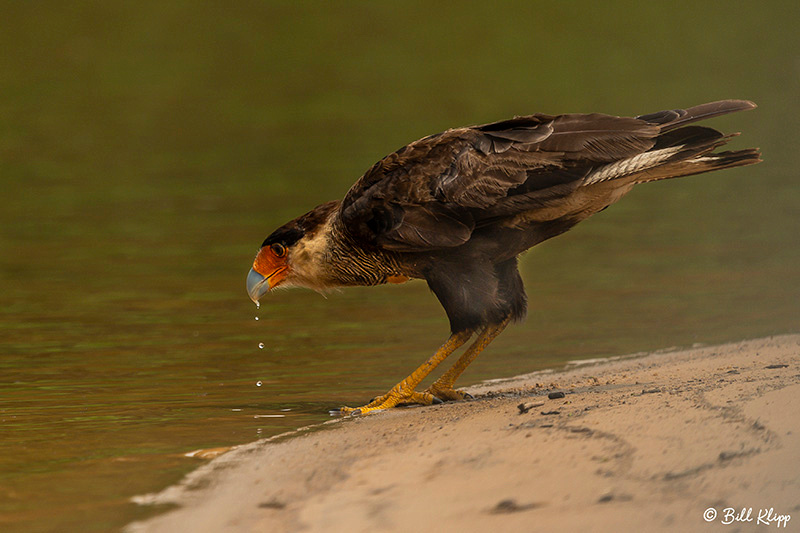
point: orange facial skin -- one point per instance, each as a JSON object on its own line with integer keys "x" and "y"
{"x": 270, "y": 262}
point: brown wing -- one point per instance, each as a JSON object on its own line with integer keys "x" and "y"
{"x": 433, "y": 192}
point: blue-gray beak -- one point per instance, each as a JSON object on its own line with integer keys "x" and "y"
{"x": 257, "y": 285}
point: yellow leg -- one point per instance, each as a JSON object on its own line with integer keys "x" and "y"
{"x": 442, "y": 388}
{"x": 404, "y": 391}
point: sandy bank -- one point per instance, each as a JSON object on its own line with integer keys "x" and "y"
{"x": 644, "y": 443}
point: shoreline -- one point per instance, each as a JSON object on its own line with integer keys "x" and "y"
{"x": 637, "y": 442}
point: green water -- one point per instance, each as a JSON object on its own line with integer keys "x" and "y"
{"x": 147, "y": 148}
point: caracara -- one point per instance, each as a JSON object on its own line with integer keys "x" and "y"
{"x": 457, "y": 208}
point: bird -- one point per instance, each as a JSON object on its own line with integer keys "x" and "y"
{"x": 456, "y": 209}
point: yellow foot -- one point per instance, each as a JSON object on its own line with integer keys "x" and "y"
{"x": 403, "y": 392}
{"x": 447, "y": 394}
{"x": 393, "y": 398}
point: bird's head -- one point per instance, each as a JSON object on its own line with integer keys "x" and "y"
{"x": 291, "y": 255}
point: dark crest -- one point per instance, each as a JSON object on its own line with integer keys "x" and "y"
{"x": 293, "y": 231}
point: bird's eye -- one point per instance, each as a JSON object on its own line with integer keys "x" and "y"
{"x": 278, "y": 249}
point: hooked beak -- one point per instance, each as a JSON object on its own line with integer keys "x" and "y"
{"x": 257, "y": 285}
{"x": 268, "y": 272}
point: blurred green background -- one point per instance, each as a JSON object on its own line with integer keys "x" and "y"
{"x": 147, "y": 148}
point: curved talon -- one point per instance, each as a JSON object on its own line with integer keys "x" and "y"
{"x": 345, "y": 411}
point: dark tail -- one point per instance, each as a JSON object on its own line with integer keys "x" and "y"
{"x": 675, "y": 118}
{"x": 682, "y": 150}
{"x": 700, "y": 164}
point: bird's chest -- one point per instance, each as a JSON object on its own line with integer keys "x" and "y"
{"x": 358, "y": 268}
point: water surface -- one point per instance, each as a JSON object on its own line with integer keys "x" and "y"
{"x": 147, "y": 149}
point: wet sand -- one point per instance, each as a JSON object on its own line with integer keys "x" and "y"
{"x": 638, "y": 443}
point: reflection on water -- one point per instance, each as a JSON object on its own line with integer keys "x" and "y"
{"x": 146, "y": 151}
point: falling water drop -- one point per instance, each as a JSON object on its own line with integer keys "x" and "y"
{"x": 256, "y": 318}
{"x": 258, "y": 305}
{"x": 258, "y": 383}
{"x": 260, "y": 345}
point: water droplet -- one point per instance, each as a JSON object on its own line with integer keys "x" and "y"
{"x": 260, "y": 345}
{"x": 258, "y": 305}
{"x": 256, "y": 318}
{"x": 258, "y": 383}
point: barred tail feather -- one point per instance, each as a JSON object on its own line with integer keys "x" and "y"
{"x": 697, "y": 165}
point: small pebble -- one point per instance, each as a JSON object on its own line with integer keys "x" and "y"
{"x": 556, "y": 395}
{"x": 274, "y": 504}
{"x": 525, "y": 407}
{"x": 511, "y": 506}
